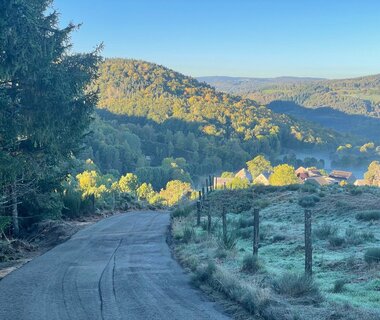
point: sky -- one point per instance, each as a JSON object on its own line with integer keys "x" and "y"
{"x": 247, "y": 38}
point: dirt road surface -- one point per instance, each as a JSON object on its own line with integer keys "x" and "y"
{"x": 119, "y": 268}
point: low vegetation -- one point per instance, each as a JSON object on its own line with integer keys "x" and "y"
{"x": 372, "y": 256}
{"x": 251, "y": 264}
{"x": 368, "y": 215}
{"x": 346, "y": 265}
{"x": 297, "y": 286}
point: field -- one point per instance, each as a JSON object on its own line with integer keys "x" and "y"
{"x": 346, "y": 276}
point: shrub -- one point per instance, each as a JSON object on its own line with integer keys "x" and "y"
{"x": 227, "y": 284}
{"x": 355, "y": 191}
{"x": 278, "y": 238}
{"x": 325, "y": 231}
{"x": 228, "y": 242}
{"x": 339, "y": 286}
{"x": 368, "y": 215}
{"x": 261, "y": 203}
{"x": 372, "y": 255}
{"x": 204, "y": 273}
{"x": 253, "y": 300}
{"x": 308, "y": 201}
{"x": 260, "y": 189}
{"x": 188, "y": 235}
{"x": 242, "y": 206}
{"x": 336, "y": 241}
{"x": 297, "y": 286}
{"x": 251, "y": 264}
{"x": 221, "y": 253}
{"x": 309, "y": 187}
{"x": 181, "y": 212}
{"x": 293, "y": 187}
{"x": 72, "y": 201}
{"x": 355, "y": 238}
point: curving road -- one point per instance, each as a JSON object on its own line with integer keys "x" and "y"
{"x": 120, "y": 268}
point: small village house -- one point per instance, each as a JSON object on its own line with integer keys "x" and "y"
{"x": 303, "y": 174}
{"x": 322, "y": 181}
{"x": 361, "y": 183}
{"x": 244, "y": 174}
{"x": 340, "y": 176}
{"x": 262, "y": 178}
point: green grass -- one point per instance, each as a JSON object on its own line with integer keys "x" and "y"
{"x": 339, "y": 245}
{"x": 368, "y": 215}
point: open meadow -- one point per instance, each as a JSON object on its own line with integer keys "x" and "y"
{"x": 346, "y": 251}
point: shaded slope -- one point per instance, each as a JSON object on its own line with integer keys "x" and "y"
{"x": 353, "y": 96}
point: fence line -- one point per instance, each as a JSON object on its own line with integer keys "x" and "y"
{"x": 204, "y": 204}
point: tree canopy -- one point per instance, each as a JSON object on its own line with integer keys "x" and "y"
{"x": 45, "y": 103}
{"x": 258, "y": 165}
{"x": 283, "y": 175}
{"x": 372, "y": 176}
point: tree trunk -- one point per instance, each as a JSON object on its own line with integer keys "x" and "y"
{"x": 93, "y": 204}
{"x": 15, "y": 225}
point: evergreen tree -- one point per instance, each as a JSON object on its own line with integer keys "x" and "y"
{"x": 44, "y": 104}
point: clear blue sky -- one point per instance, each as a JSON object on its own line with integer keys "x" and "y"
{"x": 256, "y": 38}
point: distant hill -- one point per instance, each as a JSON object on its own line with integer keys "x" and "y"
{"x": 146, "y": 90}
{"x": 359, "y": 96}
{"x": 243, "y": 85}
{"x": 167, "y": 114}
{"x": 359, "y": 125}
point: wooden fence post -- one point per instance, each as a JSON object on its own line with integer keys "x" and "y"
{"x": 203, "y": 194}
{"x": 208, "y": 219}
{"x": 200, "y": 195}
{"x": 256, "y": 231}
{"x": 308, "y": 244}
{"x": 207, "y": 186}
{"x": 224, "y": 219}
{"x": 199, "y": 213}
{"x": 210, "y": 183}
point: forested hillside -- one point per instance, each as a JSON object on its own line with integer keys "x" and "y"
{"x": 359, "y": 96}
{"x": 177, "y": 116}
{"x": 242, "y": 85}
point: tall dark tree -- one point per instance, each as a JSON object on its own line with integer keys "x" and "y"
{"x": 45, "y": 105}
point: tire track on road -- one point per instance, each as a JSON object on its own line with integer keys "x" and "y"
{"x": 100, "y": 282}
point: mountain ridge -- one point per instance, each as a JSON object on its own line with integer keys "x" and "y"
{"x": 358, "y": 95}
{"x": 142, "y": 89}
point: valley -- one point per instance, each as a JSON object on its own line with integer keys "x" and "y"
{"x": 130, "y": 188}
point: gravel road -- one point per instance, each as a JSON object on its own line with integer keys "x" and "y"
{"x": 119, "y": 268}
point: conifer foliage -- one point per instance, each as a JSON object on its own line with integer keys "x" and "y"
{"x": 45, "y": 106}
